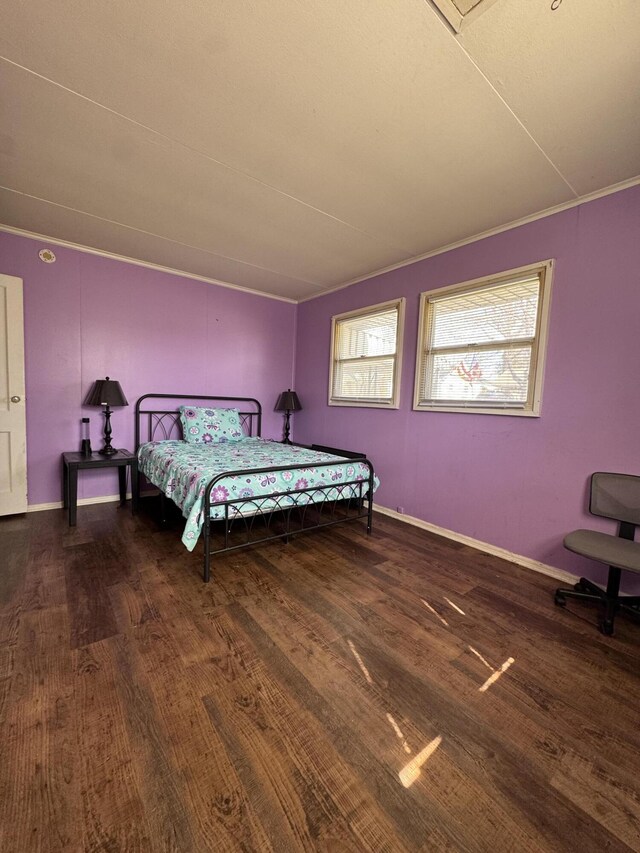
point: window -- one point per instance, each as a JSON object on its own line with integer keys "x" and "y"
{"x": 366, "y": 347}
{"x": 481, "y": 344}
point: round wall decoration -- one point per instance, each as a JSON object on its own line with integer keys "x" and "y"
{"x": 47, "y": 256}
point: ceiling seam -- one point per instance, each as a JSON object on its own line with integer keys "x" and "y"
{"x": 568, "y": 205}
{"x": 160, "y": 237}
{"x": 377, "y": 238}
{"x": 515, "y": 116}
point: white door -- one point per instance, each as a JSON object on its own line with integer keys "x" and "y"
{"x": 13, "y": 427}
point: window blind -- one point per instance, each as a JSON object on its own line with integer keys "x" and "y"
{"x": 479, "y": 346}
{"x": 365, "y": 348}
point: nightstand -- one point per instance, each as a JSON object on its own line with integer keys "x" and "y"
{"x": 73, "y": 462}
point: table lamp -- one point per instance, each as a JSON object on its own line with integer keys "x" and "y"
{"x": 106, "y": 392}
{"x": 287, "y": 402}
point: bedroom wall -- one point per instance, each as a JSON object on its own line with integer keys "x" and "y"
{"x": 87, "y": 317}
{"x": 518, "y": 483}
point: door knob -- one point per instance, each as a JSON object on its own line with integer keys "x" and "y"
{"x": 15, "y": 399}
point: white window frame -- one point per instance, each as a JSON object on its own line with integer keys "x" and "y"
{"x": 394, "y": 402}
{"x": 531, "y": 408}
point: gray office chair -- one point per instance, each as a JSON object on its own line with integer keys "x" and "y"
{"x": 615, "y": 496}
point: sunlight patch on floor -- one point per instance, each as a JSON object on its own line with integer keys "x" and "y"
{"x": 435, "y": 612}
{"x": 411, "y": 771}
{"x": 455, "y": 606}
{"x": 399, "y": 734}
{"x": 496, "y": 675}
{"x": 360, "y": 662}
{"x": 479, "y": 656}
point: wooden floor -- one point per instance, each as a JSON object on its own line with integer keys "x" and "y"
{"x": 340, "y": 693}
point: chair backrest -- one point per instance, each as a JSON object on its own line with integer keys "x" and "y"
{"x": 615, "y": 496}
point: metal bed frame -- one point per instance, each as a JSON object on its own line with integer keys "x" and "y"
{"x": 295, "y": 511}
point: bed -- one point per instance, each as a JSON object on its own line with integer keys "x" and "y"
{"x": 235, "y": 488}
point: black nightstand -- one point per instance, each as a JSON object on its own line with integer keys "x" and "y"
{"x": 72, "y": 462}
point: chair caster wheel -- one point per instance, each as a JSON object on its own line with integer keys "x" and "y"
{"x": 606, "y": 627}
{"x": 560, "y": 600}
{"x": 579, "y": 587}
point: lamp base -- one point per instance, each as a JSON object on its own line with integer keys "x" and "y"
{"x": 287, "y": 428}
{"x": 107, "y": 450}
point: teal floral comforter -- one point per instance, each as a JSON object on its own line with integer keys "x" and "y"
{"x": 182, "y": 470}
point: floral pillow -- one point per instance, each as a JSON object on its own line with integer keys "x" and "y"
{"x": 210, "y": 426}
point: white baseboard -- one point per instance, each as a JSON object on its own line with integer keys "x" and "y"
{"x": 494, "y": 550}
{"x": 526, "y": 562}
{"x": 104, "y": 499}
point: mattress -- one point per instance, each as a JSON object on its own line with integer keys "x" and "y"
{"x": 181, "y": 470}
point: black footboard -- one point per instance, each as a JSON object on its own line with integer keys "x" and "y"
{"x": 250, "y": 521}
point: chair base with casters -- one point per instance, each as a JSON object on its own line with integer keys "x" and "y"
{"x": 614, "y": 496}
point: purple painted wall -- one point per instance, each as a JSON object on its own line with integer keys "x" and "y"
{"x": 519, "y": 483}
{"x": 88, "y": 316}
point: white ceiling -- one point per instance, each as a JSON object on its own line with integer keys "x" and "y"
{"x": 291, "y": 147}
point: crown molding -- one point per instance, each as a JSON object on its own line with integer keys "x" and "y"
{"x": 550, "y": 211}
{"x": 101, "y": 253}
{"x": 533, "y": 217}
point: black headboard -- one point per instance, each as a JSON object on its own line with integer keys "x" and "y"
{"x": 160, "y": 419}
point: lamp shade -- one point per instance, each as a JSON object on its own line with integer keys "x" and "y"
{"x": 288, "y": 402}
{"x": 106, "y": 392}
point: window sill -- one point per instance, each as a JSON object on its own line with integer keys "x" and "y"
{"x": 358, "y": 404}
{"x": 472, "y": 410}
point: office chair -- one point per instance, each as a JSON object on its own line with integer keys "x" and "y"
{"x": 615, "y": 496}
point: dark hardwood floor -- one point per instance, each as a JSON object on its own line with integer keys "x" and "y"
{"x": 340, "y": 693}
